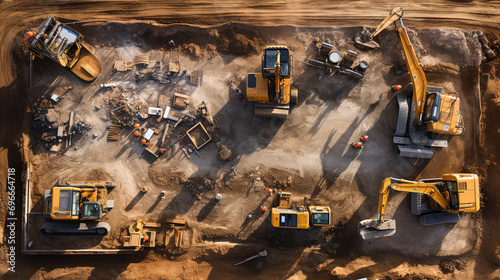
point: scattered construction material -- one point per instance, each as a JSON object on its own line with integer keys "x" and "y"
{"x": 82, "y": 202}
{"x": 114, "y": 131}
{"x": 437, "y": 201}
{"x": 297, "y": 215}
{"x": 271, "y": 90}
{"x": 259, "y": 255}
{"x": 67, "y": 48}
{"x": 196, "y": 78}
{"x": 123, "y": 65}
{"x": 180, "y": 101}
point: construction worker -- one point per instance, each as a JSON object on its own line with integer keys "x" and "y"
{"x": 397, "y": 87}
{"x": 145, "y": 142}
{"x": 136, "y": 126}
{"x": 263, "y": 208}
{"x": 172, "y": 43}
{"x": 364, "y": 138}
{"x": 161, "y": 151}
{"x": 136, "y": 133}
{"x": 269, "y": 192}
{"x": 357, "y": 145}
{"x": 29, "y": 35}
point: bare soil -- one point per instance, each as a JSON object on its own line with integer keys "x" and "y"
{"x": 308, "y": 154}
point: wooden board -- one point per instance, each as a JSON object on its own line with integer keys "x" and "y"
{"x": 176, "y": 221}
{"x": 114, "y": 131}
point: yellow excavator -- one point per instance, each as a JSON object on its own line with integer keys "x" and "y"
{"x": 436, "y": 201}
{"x": 431, "y": 111}
{"x": 66, "y": 47}
{"x": 271, "y": 90}
{"x": 292, "y": 215}
{"x": 73, "y": 209}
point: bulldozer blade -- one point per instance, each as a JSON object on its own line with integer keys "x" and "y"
{"x": 371, "y": 229}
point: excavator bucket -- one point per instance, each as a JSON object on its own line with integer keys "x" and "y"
{"x": 364, "y": 39}
{"x": 371, "y": 229}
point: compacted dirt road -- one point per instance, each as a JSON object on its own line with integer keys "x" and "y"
{"x": 18, "y": 17}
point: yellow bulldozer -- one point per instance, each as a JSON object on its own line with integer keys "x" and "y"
{"x": 74, "y": 209}
{"x": 423, "y": 109}
{"x": 271, "y": 89}
{"x": 289, "y": 214}
{"x": 436, "y": 201}
{"x": 66, "y": 47}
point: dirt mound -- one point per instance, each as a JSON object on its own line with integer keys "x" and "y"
{"x": 96, "y": 174}
{"x": 239, "y": 42}
{"x": 208, "y": 51}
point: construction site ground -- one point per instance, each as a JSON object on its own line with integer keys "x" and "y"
{"x": 308, "y": 154}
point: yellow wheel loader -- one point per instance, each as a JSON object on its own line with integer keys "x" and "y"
{"x": 271, "y": 90}
{"x": 65, "y": 46}
{"x": 422, "y": 109}
{"x": 436, "y": 201}
{"x": 73, "y": 209}
{"x": 292, "y": 215}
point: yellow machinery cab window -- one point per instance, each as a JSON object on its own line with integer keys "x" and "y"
{"x": 91, "y": 210}
{"x": 320, "y": 218}
{"x": 451, "y": 186}
{"x": 288, "y": 220}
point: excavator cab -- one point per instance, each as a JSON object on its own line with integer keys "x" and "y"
{"x": 271, "y": 88}
{"x": 75, "y": 208}
{"x": 270, "y": 59}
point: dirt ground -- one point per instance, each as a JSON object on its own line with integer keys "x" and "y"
{"x": 308, "y": 154}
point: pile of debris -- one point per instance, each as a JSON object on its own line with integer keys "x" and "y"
{"x": 53, "y": 133}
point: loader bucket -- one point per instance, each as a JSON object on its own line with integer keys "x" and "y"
{"x": 371, "y": 229}
{"x": 87, "y": 67}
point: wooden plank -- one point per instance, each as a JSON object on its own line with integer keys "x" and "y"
{"x": 152, "y": 224}
{"x": 176, "y": 221}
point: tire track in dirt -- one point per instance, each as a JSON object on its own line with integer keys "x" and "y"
{"x": 20, "y": 16}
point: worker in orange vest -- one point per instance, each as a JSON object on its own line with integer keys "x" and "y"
{"x": 364, "y": 138}
{"x": 396, "y": 87}
{"x": 357, "y": 145}
{"x": 29, "y": 35}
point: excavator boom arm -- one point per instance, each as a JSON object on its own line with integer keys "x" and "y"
{"x": 402, "y": 185}
{"x": 416, "y": 73}
{"x": 395, "y": 14}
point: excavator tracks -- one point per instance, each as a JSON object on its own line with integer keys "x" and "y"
{"x": 89, "y": 229}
